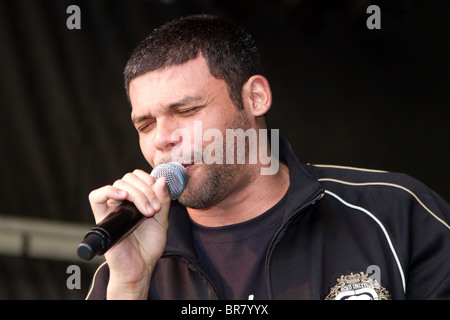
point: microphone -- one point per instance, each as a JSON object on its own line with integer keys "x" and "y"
{"x": 120, "y": 223}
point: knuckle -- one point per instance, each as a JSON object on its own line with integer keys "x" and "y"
{"x": 99, "y": 193}
{"x": 144, "y": 176}
{"x": 91, "y": 195}
{"x": 149, "y": 192}
{"x": 128, "y": 176}
{"x": 144, "y": 189}
{"x": 118, "y": 182}
{"x": 94, "y": 193}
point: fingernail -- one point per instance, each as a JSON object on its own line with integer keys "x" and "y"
{"x": 149, "y": 208}
{"x": 156, "y": 204}
{"x": 166, "y": 190}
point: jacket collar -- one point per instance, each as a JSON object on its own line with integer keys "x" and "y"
{"x": 303, "y": 189}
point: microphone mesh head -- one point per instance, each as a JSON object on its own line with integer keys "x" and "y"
{"x": 176, "y": 177}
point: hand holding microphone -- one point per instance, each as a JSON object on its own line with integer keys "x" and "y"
{"x": 132, "y": 243}
{"x": 120, "y": 223}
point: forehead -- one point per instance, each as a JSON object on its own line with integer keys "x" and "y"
{"x": 159, "y": 88}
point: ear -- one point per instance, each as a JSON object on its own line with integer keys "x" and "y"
{"x": 257, "y": 95}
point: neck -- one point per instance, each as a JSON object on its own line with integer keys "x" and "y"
{"x": 254, "y": 197}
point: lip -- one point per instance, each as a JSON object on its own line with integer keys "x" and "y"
{"x": 187, "y": 166}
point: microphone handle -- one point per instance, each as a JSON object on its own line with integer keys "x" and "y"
{"x": 111, "y": 230}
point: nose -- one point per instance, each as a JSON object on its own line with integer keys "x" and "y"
{"x": 165, "y": 139}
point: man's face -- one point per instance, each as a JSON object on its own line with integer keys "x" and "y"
{"x": 179, "y": 97}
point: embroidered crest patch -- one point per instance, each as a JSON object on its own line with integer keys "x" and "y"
{"x": 357, "y": 287}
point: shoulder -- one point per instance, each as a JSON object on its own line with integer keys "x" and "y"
{"x": 355, "y": 175}
{"x": 398, "y": 211}
{"x": 379, "y": 190}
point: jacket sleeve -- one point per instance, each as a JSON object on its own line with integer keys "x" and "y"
{"x": 428, "y": 274}
{"x": 99, "y": 284}
{"x": 416, "y": 219}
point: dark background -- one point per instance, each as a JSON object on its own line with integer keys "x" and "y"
{"x": 342, "y": 94}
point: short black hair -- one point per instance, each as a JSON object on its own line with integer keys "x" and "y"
{"x": 230, "y": 52}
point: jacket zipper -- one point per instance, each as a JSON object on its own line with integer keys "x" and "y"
{"x": 274, "y": 241}
{"x": 268, "y": 255}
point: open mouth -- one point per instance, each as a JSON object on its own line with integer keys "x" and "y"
{"x": 187, "y": 166}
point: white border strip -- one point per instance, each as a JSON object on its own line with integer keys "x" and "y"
{"x": 382, "y": 228}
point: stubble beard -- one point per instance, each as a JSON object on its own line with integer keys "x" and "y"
{"x": 217, "y": 180}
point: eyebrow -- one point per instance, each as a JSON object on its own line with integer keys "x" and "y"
{"x": 178, "y": 103}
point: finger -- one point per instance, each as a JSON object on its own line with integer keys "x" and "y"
{"x": 144, "y": 182}
{"x": 144, "y": 176}
{"x": 161, "y": 191}
{"x": 136, "y": 196}
{"x": 99, "y": 199}
{"x": 101, "y": 195}
{"x": 113, "y": 203}
{"x": 163, "y": 195}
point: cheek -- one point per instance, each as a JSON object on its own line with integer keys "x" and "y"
{"x": 147, "y": 150}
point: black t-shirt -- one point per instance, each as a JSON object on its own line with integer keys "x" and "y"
{"x": 234, "y": 256}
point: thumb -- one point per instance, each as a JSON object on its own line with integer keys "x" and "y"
{"x": 163, "y": 196}
{"x": 161, "y": 191}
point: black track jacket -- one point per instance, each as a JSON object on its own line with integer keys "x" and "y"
{"x": 347, "y": 233}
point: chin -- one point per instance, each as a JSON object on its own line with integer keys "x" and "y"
{"x": 207, "y": 186}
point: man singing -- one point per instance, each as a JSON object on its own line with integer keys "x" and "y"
{"x": 300, "y": 232}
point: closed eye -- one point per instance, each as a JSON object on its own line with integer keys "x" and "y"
{"x": 189, "y": 111}
{"x": 143, "y": 128}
